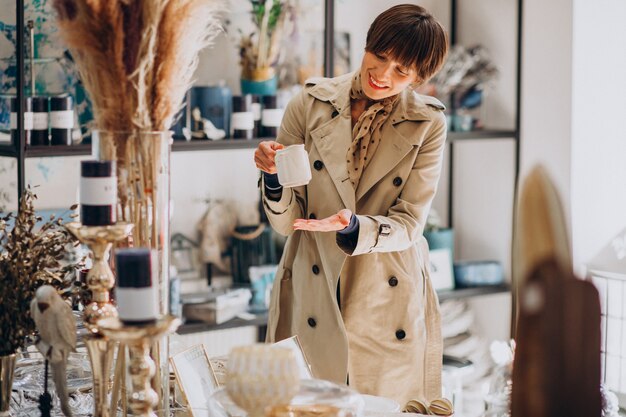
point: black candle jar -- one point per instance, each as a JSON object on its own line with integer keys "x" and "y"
{"x": 242, "y": 118}
{"x": 135, "y": 292}
{"x": 39, "y": 135}
{"x": 98, "y": 193}
{"x": 28, "y": 119}
{"x": 271, "y": 118}
{"x": 61, "y": 120}
{"x": 257, "y": 109}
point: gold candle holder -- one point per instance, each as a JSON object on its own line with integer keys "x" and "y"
{"x": 141, "y": 368}
{"x": 100, "y": 278}
{"x": 100, "y": 281}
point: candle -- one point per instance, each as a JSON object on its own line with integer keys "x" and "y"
{"x": 61, "y": 120}
{"x": 135, "y": 293}
{"x": 257, "y": 112}
{"x": 271, "y": 117}
{"x": 98, "y": 193}
{"x": 242, "y": 118}
{"x": 39, "y": 135}
{"x": 28, "y": 119}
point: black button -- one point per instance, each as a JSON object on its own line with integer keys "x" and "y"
{"x": 311, "y": 322}
{"x": 335, "y": 114}
{"x": 393, "y": 281}
{"x": 318, "y": 165}
{"x": 315, "y": 269}
{"x": 312, "y": 216}
{"x": 400, "y": 334}
{"x": 397, "y": 181}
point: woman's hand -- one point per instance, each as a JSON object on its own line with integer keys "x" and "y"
{"x": 333, "y": 223}
{"x": 265, "y": 154}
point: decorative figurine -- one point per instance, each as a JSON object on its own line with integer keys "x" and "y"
{"x": 57, "y": 330}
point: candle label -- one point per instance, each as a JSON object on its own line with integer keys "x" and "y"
{"x": 256, "y": 110}
{"x": 98, "y": 191}
{"x": 243, "y": 121}
{"x": 40, "y": 121}
{"x": 62, "y": 119}
{"x": 136, "y": 304}
{"x": 272, "y": 117}
{"x": 28, "y": 121}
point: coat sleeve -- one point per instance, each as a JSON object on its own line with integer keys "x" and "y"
{"x": 404, "y": 223}
{"x": 291, "y": 206}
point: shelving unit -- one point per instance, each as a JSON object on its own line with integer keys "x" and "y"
{"x": 20, "y": 151}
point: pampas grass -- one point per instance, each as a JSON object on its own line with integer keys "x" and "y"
{"x": 136, "y": 58}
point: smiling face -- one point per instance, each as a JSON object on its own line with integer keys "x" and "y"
{"x": 382, "y": 76}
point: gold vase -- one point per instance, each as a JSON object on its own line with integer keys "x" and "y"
{"x": 7, "y": 369}
{"x": 143, "y": 175}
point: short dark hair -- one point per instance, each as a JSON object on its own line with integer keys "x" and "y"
{"x": 412, "y": 36}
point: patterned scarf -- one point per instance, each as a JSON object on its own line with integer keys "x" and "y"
{"x": 366, "y": 132}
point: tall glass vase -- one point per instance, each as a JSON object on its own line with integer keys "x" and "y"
{"x": 143, "y": 177}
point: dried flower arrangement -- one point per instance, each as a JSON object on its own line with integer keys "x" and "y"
{"x": 466, "y": 74}
{"x": 136, "y": 60}
{"x": 30, "y": 256}
{"x": 258, "y": 56}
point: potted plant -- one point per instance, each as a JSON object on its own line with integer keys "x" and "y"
{"x": 30, "y": 256}
{"x": 259, "y": 50}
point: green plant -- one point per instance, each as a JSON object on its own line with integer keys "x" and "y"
{"x": 30, "y": 256}
{"x": 260, "y": 49}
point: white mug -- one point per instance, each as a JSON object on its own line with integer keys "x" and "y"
{"x": 292, "y": 164}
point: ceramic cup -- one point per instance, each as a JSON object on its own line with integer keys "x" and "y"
{"x": 292, "y": 164}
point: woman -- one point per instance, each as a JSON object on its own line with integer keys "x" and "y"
{"x": 353, "y": 281}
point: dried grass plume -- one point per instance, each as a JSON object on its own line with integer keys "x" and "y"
{"x": 136, "y": 58}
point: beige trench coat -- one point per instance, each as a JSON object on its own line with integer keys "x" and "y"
{"x": 386, "y": 338}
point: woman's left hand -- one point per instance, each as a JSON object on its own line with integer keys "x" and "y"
{"x": 333, "y": 223}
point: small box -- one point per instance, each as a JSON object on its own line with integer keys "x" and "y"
{"x": 223, "y": 308}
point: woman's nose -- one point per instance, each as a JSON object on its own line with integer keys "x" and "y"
{"x": 385, "y": 71}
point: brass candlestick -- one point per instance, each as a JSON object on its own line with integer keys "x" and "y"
{"x": 141, "y": 368}
{"x": 100, "y": 280}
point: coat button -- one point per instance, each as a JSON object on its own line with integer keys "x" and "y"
{"x": 315, "y": 269}
{"x": 335, "y": 114}
{"x": 312, "y": 216}
{"x": 311, "y": 322}
{"x": 318, "y": 165}
{"x": 397, "y": 181}
{"x": 393, "y": 281}
{"x": 400, "y": 334}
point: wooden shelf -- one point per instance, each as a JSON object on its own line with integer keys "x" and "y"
{"x": 57, "y": 150}
{"x": 472, "y": 292}
{"x": 196, "y": 327}
{"x": 215, "y": 145}
{"x": 220, "y": 145}
{"x": 7, "y": 149}
{"x": 483, "y": 134}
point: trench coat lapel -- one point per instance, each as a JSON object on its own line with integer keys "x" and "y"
{"x": 331, "y": 139}
{"x": 394, "y": 146}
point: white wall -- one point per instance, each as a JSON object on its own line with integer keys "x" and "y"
{"x": 572, "y": 90}
{"x": 546, "y": 125}
{"x": 354, "y": 17}
{"x": 598, "y": 150}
